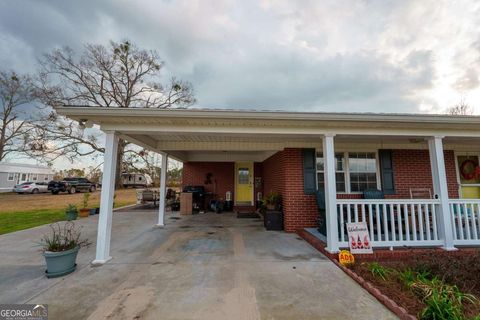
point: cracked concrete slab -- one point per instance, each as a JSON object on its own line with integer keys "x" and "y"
{"x": 206, "y": 266}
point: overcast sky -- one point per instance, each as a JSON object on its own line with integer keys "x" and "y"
{"x": 381, "y": 56}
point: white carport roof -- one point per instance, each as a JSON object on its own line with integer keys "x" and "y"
{"x": 227, "y": 135}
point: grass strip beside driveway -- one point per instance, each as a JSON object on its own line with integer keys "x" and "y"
{"x": 19, "y": 212}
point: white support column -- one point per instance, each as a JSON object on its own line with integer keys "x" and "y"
{"x": 163, "y": 186}
{"x": 330, "y": 193}
{"x": 106, "y": 199}
{"x": 440, "y": 188}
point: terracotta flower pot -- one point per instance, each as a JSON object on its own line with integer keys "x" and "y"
{"x": 84, "y": 212}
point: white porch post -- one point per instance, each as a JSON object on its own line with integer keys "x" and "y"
{"x": 440, "y": 187}
{"x": 330, "y": 193}
{"x": 163, "y": 186}
{"x": 106, "y": 199}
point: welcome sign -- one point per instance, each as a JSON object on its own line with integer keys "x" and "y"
{"x": 359, "y": 238}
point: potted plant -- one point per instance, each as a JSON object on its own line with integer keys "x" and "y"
{"x": 273, "y": 201}
{"x": 272, "y": 211}
{"x": 60, "y": 249}
{"x": 85, "y": 211}
{"x": 71, "y": 212}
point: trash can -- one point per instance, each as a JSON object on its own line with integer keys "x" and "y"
{"x": 228, "y": 206}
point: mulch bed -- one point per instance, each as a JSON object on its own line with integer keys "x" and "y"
{"x": 392, "y": 289}
{"x": 454, "y": 269}
{"x": 460, "y": 268}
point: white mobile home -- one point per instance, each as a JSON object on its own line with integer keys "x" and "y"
{"x": 136, "y": 180}
{"x": 12, "y": 174}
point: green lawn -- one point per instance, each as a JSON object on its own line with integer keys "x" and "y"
{"x": 20, "y": 220}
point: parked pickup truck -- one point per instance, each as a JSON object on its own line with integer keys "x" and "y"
{"x": 71, "y": 185}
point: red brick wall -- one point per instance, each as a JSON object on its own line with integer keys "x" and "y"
{"x": 273, "y": 177}
{"x": 194, "y": 174}
{"x": 300, "y": 210}
{"x": 412, "y": 170}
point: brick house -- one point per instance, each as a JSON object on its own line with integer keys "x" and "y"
{"x": 425, "y": 166}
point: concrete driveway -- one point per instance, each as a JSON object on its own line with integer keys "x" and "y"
{"x": 206, "y": 266}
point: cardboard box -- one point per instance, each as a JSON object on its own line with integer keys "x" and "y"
{"x": 186, "y": 203}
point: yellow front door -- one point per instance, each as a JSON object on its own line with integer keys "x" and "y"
{"x": 244, "y": 183}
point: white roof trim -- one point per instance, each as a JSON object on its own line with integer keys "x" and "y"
{"x": 95, "y": 112}
{"x": 24, "y": 168}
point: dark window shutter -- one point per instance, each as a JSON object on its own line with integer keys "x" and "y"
{"x": 386, "y": 171}
{"x": 309, "y": 171}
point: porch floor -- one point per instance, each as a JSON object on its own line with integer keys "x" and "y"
{"x": 206, "y": 266}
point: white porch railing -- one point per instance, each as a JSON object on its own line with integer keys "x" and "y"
{"x": 466, "y": 221}
{"x": 392, "y": 222}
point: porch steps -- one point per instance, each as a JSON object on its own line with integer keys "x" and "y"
{"x": 244, "y": 209}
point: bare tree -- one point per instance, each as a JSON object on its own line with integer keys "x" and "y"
{"x": 143, "y": 161}
{"x": 16, "y": 92}
{"x": 55, "y": 136}
{"x": 461, "y": 108}
{"x": 119, "y": 75}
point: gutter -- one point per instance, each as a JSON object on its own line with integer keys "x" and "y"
{"x": 218, "y": 114}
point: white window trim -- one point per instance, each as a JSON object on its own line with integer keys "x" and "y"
{"x": 13, "y": 176}
{"x": 346, "y": 171}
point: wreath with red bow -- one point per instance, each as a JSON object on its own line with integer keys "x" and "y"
{"x": 469, "y": 170}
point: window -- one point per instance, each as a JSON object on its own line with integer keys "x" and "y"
{"x": 243, "y": 175}
{"x": 34, "y": 177}
{"x": 24, "y": 177}
{"x": 11, "y": 176}
{"x": 363, "y": 171}
{"x": 354, "y": 171}
{"x": 339, "y": 172}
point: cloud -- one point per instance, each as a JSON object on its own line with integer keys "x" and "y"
{"x": 382, "y": 56}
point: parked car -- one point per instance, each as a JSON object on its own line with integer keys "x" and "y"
{"x": 71, "y": 185}
{"x": 31, "y": 187}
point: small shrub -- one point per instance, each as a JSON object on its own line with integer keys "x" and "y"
{"x": 409, "y": 276}
{"x": 273, "y": 200}
{"x": 62, "y": 238}
{"x": 442, "y": 301}
{"x": 86, "y": 198}
{"x": 378, "y": 270}
{"x": 71, "y": 208}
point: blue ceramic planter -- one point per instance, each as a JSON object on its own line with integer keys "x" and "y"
{"x": 71, "y": 215}
{"x": 60, "y": 263}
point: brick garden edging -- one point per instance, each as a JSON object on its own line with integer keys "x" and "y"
{"x": 386, "y": 301}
